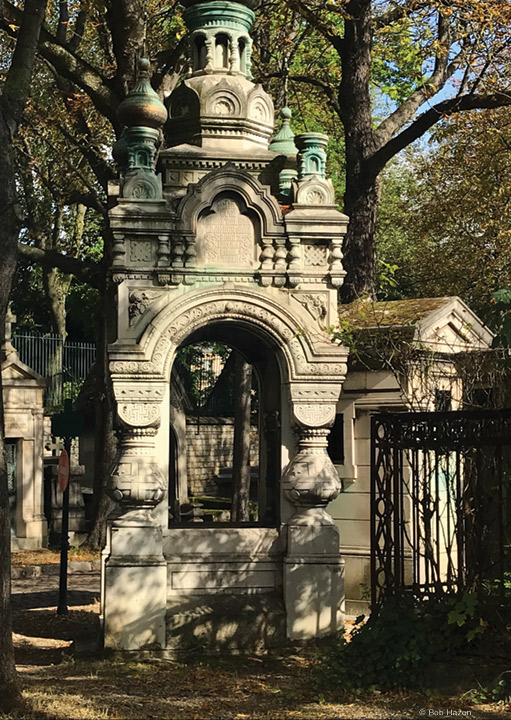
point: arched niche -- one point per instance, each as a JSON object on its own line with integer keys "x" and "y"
{"x": 199, "y": 52}
{"x": 204, "y": 490}
{"x": 221, "y": 51}
{"x": 229, "y": 179}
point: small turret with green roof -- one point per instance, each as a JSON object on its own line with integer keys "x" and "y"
{"x": 143, "y": 115}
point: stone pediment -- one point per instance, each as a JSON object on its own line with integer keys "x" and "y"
{"x": 15, "y": 370}
{"x": 454, "y": 327}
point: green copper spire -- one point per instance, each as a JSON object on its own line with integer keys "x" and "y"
{"x": 284, "y": 141}
{"x": 143, "y": 115}
{"x": 142, "y": 107}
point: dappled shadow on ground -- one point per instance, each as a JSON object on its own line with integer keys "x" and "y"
{"x": 58, "y": 686}
{"x": 258, "y": 688}
{"x": 41, "y": 637}
{"x": 50, "y": 598}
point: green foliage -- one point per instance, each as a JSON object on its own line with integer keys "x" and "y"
{"x": 196, "y": 372}
{"x": 498, "y": 691}
{"x": 397, "y": 66}
{"x": 397, "y": 646}
{"x": 444, "y": 217}
{"x": 500, "y": 316}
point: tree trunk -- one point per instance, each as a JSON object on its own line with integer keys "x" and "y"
{"x": 105, "y": 438}
{"x": 361, "y": 197}
{"x": 241, "y": 451}
{"x": 127, "y": 22}
{"x": 361, "y": 201}
{"x": 12, "y": 102}
{"x": 9, "y": 229}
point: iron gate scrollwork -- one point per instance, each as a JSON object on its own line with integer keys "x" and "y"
{"x": 440, "y": 502}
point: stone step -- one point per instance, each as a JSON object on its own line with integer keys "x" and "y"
{"x": 73, "y": 566}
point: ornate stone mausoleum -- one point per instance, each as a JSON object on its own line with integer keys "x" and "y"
{"x": 232, "y": 235}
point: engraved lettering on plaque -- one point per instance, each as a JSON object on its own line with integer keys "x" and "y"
{"x": 225, "y": 236}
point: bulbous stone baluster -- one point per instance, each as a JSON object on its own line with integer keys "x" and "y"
{"x": 311, "y": 480}
{"x": 137, "y": 482}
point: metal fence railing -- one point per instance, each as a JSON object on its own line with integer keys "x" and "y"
{"x": 440, "y": 503}
{"x": 64, "y": 364}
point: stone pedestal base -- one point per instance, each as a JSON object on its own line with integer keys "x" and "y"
{"x": 133, "y": 589}
{"x": 313, "y": 577}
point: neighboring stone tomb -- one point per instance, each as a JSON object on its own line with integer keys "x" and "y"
{"x": 432, "y": 333}
{"x": 23, "y": 396}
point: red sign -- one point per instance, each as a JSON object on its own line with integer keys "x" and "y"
{"x": 63, "y": 471}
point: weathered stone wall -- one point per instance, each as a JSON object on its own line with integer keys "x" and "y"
{"x": 209, "y": 448}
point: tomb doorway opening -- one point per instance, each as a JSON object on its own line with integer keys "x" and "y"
{"x": 225, "y": 441}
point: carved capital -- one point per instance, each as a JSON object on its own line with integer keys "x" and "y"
{"x": 314, "y": 414}
{"x": 139, "y": 415}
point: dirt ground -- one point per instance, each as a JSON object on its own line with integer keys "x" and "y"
{"x": 59, "y": 685}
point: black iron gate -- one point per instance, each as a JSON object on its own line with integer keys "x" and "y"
{"x": 440, "y": 502}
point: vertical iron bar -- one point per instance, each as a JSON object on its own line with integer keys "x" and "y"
{"x": 460, "y": 522}
{"x": 436, "y": 509}
{"x": 64, "y": 541}
{"x": 500, "y": 518}
{"x": 395, "y": 504}
{"x": 374, "y": 450}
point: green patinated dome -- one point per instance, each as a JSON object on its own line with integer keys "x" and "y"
{"x": 252, "y": 4}
{"x": 142, "y": 107}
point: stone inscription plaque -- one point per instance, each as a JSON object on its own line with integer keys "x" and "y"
{"x": 226, "y": 237}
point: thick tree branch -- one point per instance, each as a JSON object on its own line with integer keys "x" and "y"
{"x": 19, "y": 75}
{"x": 78, "y": 31}
{"x": 83, "y": 75}
{"x": 442, "y": 71}
{"x": 63, "y": 22}
{"x": 312, "y": 17}
{"x": 167, "y": 62}
{"x": 399, "y": 12}
{"x": 126, "y": 20}
{"x": 84, "y": 270}
{"x": 70, "y": 66}
{"x": 426, "y": 121}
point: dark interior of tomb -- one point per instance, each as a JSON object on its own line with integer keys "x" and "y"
{"x": 224, "y": 430}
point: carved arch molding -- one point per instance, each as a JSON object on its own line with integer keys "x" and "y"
{"x": 312, "y": 368}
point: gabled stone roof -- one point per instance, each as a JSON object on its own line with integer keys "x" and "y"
{"x": 443, "y": 324}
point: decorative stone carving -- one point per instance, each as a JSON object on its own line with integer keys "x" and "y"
{"x": 226, "y": 236}
{"x": 142, "y": 186}
{"x": 315, "y": 304}
{"x": 311, "y": 480}
{"x": 311, "y": 154}
{"x": 314, "y": 415}
{"x": 138, "y": 303}
{"x": 137, "y": 482}
{"x": 313, "y": 191}
{"x": 141, "y": 251}
{"x": 315, "y": 255}
{"x": 163, "y": 251}
{"x": 138, "y": 415}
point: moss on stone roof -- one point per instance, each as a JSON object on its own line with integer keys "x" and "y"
{"x": 389, "y": 313}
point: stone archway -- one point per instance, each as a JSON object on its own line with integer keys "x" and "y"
{"x": 295, "y": 568}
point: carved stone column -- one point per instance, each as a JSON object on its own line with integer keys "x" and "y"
{"x": 313, "y": 568}
{"x": 134, "y": 576}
